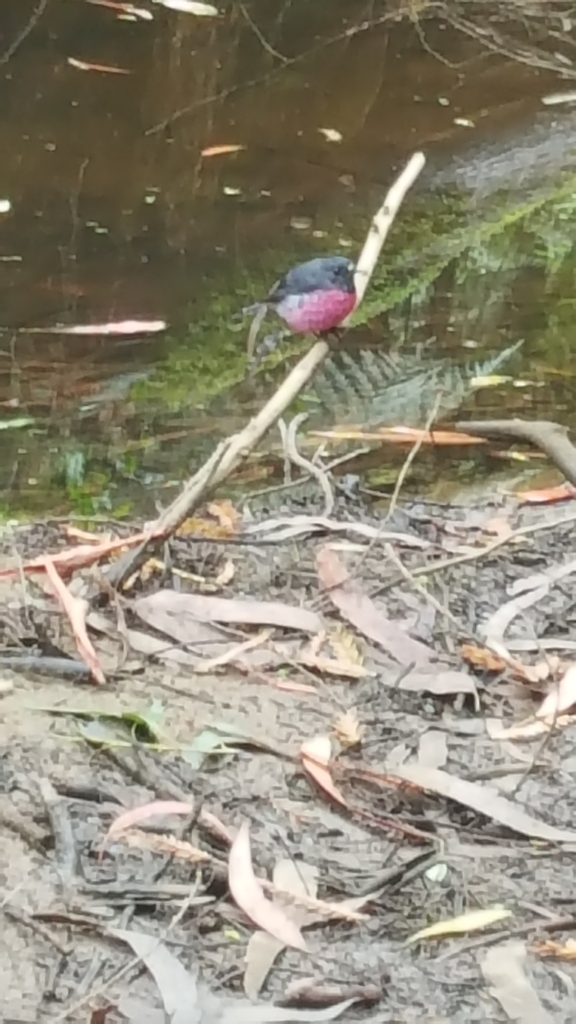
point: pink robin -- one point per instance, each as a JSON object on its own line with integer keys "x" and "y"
{"x": 315, "y": 297}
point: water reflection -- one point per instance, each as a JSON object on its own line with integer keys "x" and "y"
{"x": 116, "y": 213}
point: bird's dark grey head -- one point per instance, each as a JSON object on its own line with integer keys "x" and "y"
{"x": 339, "y": 270}
{"x": 319, "y": 274}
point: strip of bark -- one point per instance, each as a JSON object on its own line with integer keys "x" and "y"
{"x": 551, "y": 438}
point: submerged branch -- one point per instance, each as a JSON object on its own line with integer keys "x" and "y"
{"x": 551, "y": 438}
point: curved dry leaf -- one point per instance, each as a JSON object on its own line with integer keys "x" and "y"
{"x": 483, "y": 799}
{"x": 261, "y": 952}
{"x": 188, "y": 609}
{"x": 249, "y": 896}
{"x": 76, "y": 609}
{"x": 361, "y": 611}
{"x": 176, "y": 985}
{"x": 222, "y": 150}
{"x": 201, "y": 10}
{"x": 107, "y": 69}
{"x": 562, "y": 698}
{"x": 315, "y": 754}
{"x": 299, "y": 880}
{"x": 137, "y": 815}
{"x": 529, "y": 729}
{"x": 470, "y": 922}
{"x": 504, "y": 971}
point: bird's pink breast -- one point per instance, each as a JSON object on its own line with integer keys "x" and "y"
{"x": 316, "y": 311}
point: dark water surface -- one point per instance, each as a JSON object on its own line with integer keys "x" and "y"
{"x": 115, "y": 213}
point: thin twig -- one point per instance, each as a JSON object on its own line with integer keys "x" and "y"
{"x": 399, "y": 483}
{"x": 67, "y": 859}
{"x": 473, "y": 556}
{"x": 135, "y": 961}
{"x": 433, "y": 601}
{"x": 261, "y": 39}
{"x": 318, "y": 472}
{"x": 31, "y": 24}
{"x": 410, "y": 458}
{"x": 340, "y": 461}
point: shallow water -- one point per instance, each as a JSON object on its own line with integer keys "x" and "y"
{"x": 116, "y": 213}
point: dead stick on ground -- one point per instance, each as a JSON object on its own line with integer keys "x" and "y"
{"x": 231, "y": 452}
{"x": 473, "y": 556}
{"x": 551, "y": 438}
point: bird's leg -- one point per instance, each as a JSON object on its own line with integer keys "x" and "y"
{"x": 331, "y": 336}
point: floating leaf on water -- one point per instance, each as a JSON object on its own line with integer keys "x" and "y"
{"x": 554, "y": 98}
{"x": 108, "y": 69}
{"x": 16, "y": 424}
{"x": 300, "y": 223}
{"x": 490, "y": 381}
{"x": 548, "y": 495}
{"x": 5, "y": 205}
{"x": 222, "y": 150}
{"x": 201, "y": 10}
{"x": 125, "y": 9}
{"x": 115, "y": 327}
{"x": 331, "y": 134}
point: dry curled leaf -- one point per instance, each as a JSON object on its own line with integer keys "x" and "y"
{"x": 222, "y": 150}
{"x": 469, "y": 922}
{"x": 484, "y": 799}
{"x": 361, "y": 611}
{"x": 248, "y": 894}
{"x": 138, "y": 815}
{"x": 316, "y": 754}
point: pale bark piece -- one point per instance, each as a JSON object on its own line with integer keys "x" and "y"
{"x": 288, "y": 527}
{"x": 186, "y": 610}
{"x": 503, "y": 969}
{"x": 439, "y": 680}
{"x": 432, "y": 749}
{"x": 267, "y": 1014}
{"x": 361, "y": 611}
{"x": 483, "y": 799}
{"x": 562, "y": 697}
{"x": 527, "y": 593}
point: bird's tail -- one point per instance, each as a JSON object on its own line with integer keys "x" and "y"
{"x": 259, "y": 310}
{"x": 268, "y": 344}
